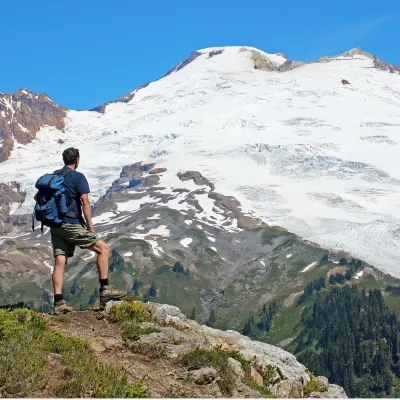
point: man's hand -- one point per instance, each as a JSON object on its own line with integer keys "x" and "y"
{"x": 91, "y": 229}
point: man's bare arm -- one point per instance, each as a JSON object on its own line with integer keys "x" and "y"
{"x": 87, "y": 211}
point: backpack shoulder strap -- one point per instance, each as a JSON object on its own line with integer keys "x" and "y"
{"x": 64, "y": 173}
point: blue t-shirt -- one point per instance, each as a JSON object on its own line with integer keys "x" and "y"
{"x": 76, "y": 185}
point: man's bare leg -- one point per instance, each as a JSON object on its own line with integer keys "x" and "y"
{"x": 103, "y": 253}
{"x": 58, "y": 273}
{"x": 61, "y": 306}
{"x": 107, "y": 292}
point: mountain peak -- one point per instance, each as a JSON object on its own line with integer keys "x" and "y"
{"x": 357, "y": 51}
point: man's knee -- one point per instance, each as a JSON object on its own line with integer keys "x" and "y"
{"x": 102, "y": 248}
{"x": 60, "y": 260}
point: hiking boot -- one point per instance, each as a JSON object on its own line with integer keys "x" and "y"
{"x": 62, "y": 307}
{"x": 109, "y": 292}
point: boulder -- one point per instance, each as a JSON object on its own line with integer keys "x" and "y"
{"x": 202, "y": 376}
{"x": 256, "y": 376}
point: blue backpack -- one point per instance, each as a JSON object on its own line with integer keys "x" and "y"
{"x": 51, "y": 203}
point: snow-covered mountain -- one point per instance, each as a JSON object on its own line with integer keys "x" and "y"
{"x": 312, "y": 147}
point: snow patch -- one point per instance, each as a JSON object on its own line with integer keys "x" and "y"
{"x": 359, "y": 274}
{"x": 313, "y": 264}
{"x": 103, "y": 218}
{"x": 128, "y": 254}
{"x": 155, "y": 216}
{"x": 185, "y": 242}
{"x": 289, "y": 255}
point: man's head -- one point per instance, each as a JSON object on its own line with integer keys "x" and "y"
{"x": 71, "y": 157}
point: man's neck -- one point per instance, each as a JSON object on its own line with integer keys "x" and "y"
{"x": 72, "y": 166}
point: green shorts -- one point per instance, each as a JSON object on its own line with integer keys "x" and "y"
{"x": 65, "y": 237}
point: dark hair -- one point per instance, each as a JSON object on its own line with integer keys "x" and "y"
{"x": 70, "y": 155}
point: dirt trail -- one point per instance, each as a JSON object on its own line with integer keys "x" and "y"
{"x": 162, "y": 376}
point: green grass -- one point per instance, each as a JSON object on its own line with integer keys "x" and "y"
{"x": 314, "y": 386}
{"x": 128, "y": 311}
{"x": 24, "y": 343}
{"x": 132, "y": 330}
{"x": 131, "y": 314}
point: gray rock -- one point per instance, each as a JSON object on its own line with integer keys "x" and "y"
{"x": 197, "y": 178}
{"x": 256, "y": 376}
{"x": 24, "y": 114}
{"x": 323, "y": 380}
{"x": 236, "y": 367}
{"x": 202, "y": 376}
{"x": 290, "y": 378}
{"x": 333, "y": 392}
{"x": 288, "y": 65}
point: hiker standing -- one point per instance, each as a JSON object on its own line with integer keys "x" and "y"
{"x": 73, "y": 232}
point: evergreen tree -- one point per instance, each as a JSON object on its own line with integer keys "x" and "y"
{"x": 74, "y": 288}
{"x": 93, "y": 297}
{"x": 117, "y": 262}
{"x": 153, "y": 290}
{"x": 135, "y": 287}
{"x": 193, "y": 314}
{"x": 212, "y": 319}
{"x": 248, "y": 327}
{"x": 146, "y": 298}
{"x": 351, "y": 337}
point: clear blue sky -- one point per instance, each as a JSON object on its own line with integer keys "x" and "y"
{"x": 85, "y": 52}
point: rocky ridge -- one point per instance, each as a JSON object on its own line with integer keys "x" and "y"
{"x": 22, "y": 114}
{"x": 177, "y": 335}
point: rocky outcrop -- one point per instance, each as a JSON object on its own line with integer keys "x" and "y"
{"x": 215, "y": 53}
{"x": 384, "y": 66}
{"x": 260, "y": 61}
{"x": 178, "y": 335}
{"x": 232, "y": 209}
{"x": 157, "y": 171}
{"x": 126, "y": 98}
{"x": 22, "y": 114}
{"x": 197, "y": 178}
{"x": 11, "y": 199}
{"x": 184, "y": 63}
{"x": 288, "y": 65}
{"x": 357, "y": 52}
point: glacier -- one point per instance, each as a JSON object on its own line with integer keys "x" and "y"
{"x": 298, "y": 148}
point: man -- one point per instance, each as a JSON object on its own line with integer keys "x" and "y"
{"x": 73, "y": 233}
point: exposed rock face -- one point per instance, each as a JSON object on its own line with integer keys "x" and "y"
{"x": 384, "y": 66}
{"x": 203, "y": 376}
{"x": 260, "y": 61}
{"x": 357, "y": 51}
{"x": 156, "y": 171}
{"x": 197, "y": 177}
{"x": 215, "y": 53}
{"x": 22, "y": 114}
{"x": 126, "y": 98}
{"x": 288, "y": 65}
{"x": 184, "y": 63}
{"x": 11, "y": 199}
{"x": 179, "y": 335}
